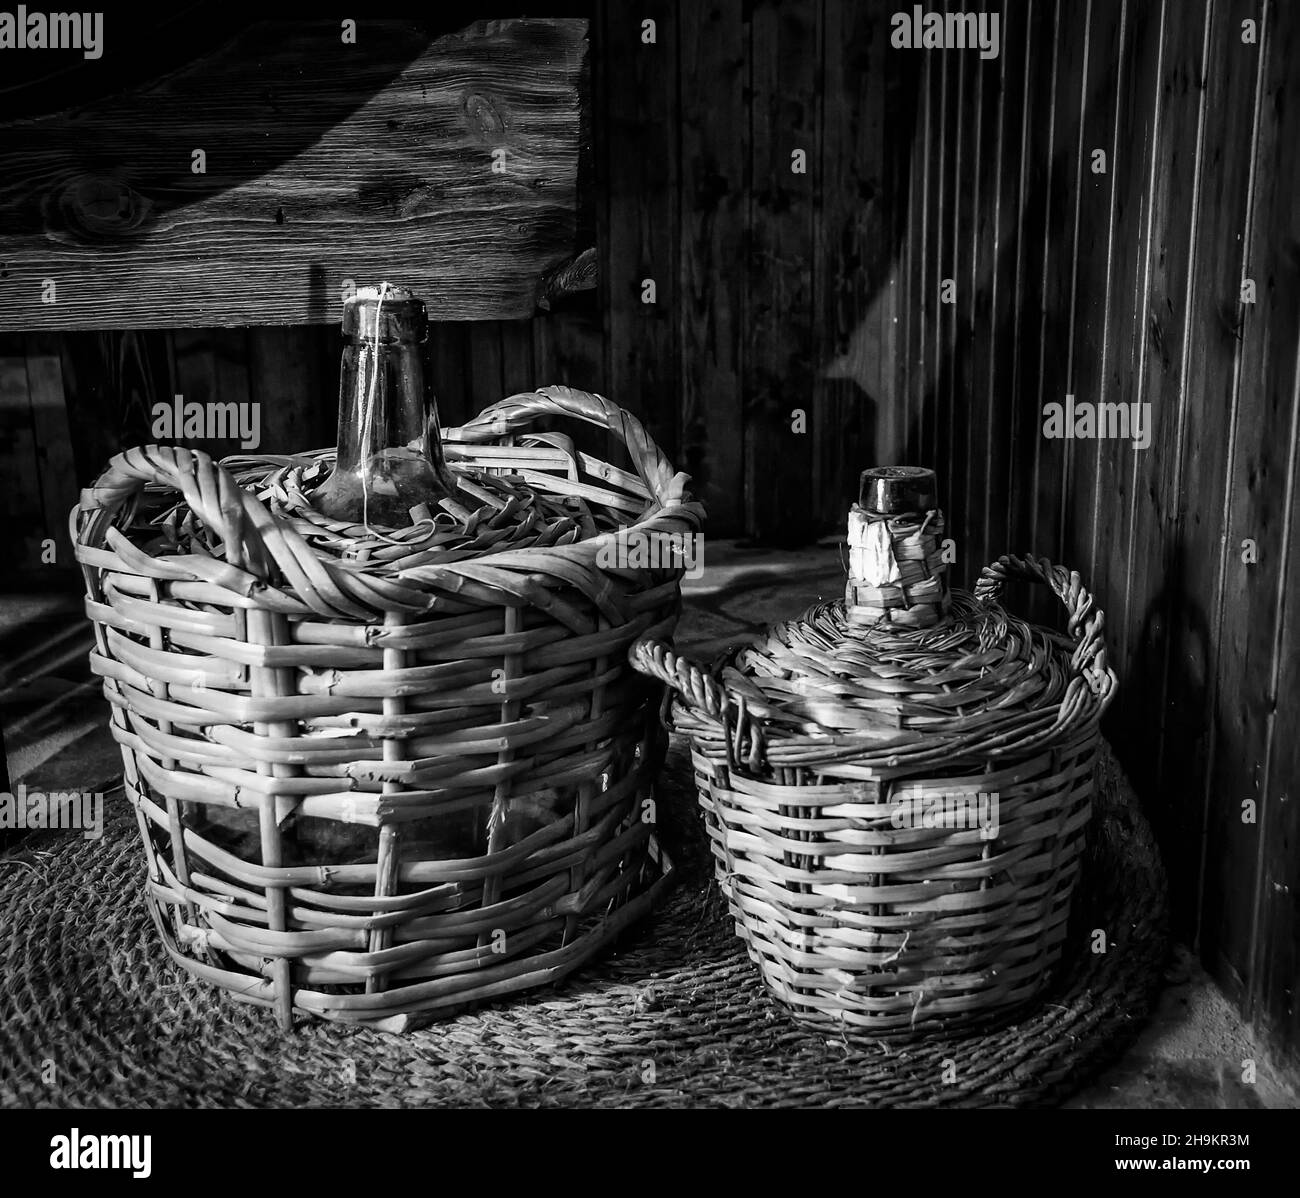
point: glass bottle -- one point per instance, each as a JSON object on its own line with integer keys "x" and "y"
{"x": 389, "y": 443}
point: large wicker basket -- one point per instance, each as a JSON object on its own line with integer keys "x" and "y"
{"x": 862, "y": 923}
{"x": 377, "y": 781}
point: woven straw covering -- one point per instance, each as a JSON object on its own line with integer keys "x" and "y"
{"x": 380, "y": 775}
{"x": 898, "y": 813}
{"x": 85, "y": 987}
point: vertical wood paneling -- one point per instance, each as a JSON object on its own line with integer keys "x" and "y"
{"x": 55, "y": 465}
{"x": 1173, "y": 210}
{"x": 486, "y": 372}
{"x": 1063, "y": 203}
{"x": 854, "y": 385}
{"x": 518, "y": 371}
{"x": 20, "y": 499}
{"x": 1258, "y": 494}
{"x": 450, "y": 363}
{"x": 293, "y": 376}
{"x": 1124, "y": 288}
{"x": 780, "y": 276}
{"x": 993, "y": 391}
{"x": 942, "y": 220}
{"x": 973, "y": 407}
{"x": 1036, "y": 191}
{"x": 918, "y": 312}
{"x": 1107, "y": 43}
{"x": 637, "y": 128}
{"x": 1275, "y": 958}
{"x": 1121, "y": 465}
{"x": 964, "y": 216}
{"x": 714, "y": 189}
{"x": 1187, "y": 743}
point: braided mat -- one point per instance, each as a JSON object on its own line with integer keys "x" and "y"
{"x": 674, "y": 1016}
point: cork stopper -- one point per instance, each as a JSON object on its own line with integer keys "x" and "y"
{"x": 401, "y": 316}
{"x": 898, "y": 490}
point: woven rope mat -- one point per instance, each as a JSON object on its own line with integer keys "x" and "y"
{"x": 87, "y": 988}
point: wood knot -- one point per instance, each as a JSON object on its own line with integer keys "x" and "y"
{"x": 482, "y": 116}
{"x": 95, "y": 207}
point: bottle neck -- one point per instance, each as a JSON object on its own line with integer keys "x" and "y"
{"x": 389, "y": 459}
{"x": 897, "y": 575}
{"x": 385, "y": 404}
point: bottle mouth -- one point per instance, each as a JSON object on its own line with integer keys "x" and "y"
{"x": 898, "y": 490}
{"x": 401, "y": 315}
{"x": 372, "y": 293}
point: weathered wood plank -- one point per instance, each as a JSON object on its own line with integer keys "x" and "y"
{"x": 324, "y": 161}
{"x": 714, "y": 167}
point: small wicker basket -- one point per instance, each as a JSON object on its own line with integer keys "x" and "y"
{"x": 846, "y": 763}
{"x": 378, "y": 780}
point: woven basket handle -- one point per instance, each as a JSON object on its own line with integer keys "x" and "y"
{"x": 515, "y": 412}
{"x": 235, "y": 515}
{"x": 1086, "y": 621}
{"x": 697, "y": 687}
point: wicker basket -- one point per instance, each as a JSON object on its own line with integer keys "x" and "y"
{"x": 809, "y": 745}
{"x": 380, "y": 779}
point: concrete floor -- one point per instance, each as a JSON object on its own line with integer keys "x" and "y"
{"x": 1190, "y": 1056}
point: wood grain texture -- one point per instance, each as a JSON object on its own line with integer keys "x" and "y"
{"x": 324, "y": 162}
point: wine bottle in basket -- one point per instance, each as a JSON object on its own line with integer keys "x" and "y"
{"x": 390, "y": 457}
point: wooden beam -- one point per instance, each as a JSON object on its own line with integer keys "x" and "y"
{"x": 323, "y": 161}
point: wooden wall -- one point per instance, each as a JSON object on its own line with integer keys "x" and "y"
{"x": 1126, "y": 286}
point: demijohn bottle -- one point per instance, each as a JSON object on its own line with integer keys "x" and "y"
{"x": 389, "y": 443}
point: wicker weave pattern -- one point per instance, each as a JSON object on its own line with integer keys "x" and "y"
{"x": 818, "y": 751}
{"x": 376, "y": 783}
